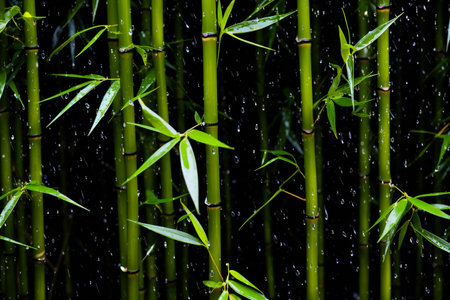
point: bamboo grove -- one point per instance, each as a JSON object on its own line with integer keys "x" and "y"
{"x": 263, "y": 149}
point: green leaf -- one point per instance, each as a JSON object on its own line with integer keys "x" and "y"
{"x": 205, "y": 138}
{"x": 394, "y": 218}
{"x": 8, "y": 16}
{"x": 197, "y": 226}
{"x": 248, "y": 42}
{"x": 15, "y": 242}
{"x": 402, "y": 233}
{"x": 94, "y": 9}
{"x": 9, "y": 193}
{"x": 145, "y": 127}
{"x": 139, "y": 96}
{"x": 260, "y": 6}
{"x": 171, "y": 233}
{"x": 347, "y": 102}
{"x": 163, "y": 150}
{"x": 147, "y": 82}
{"x": 93, "y": 40}
{"x": 197, "y": 118}
{"x": 108, "y": 98}
{"x": 52, "y": 192}
{"x": 256, "y": 24}
{"x": 428, "y": 208}
{"x": 242, "y": 279}
{"x": 13, "y": 87}
{"x": 77, "y": 98}
{"x": 213, "y": 284}
{"x": 445, "y": 145}
{"x": 189, "y": 170}
{"x": 441, "y": 206}
{"x": 245, "y": 291}
{"x": 219, "y": 13}
{"x": 158, "y": 122}
{"x": 350, "y": 66}
{"x": 278, "y": 158}
{"x": 9, "y": 207}
{"x": 88, "y": 76}
{"x": 142, "y": 52}
{"x": 2, "y": 81}
{"x": 432, "y": 195}
{"x": 371, "y": 36}
{"x": 345, "y": 89}
{"x": 226, "y": 15}
{"x": 234, "y": 297}
{"x": 223, "y": 296}
{"x": 153, "y": 200}
{"x": 432, "y": 238}
{"x": 383, "y": 215}
{"x": 267, "y": 202}
{"x": 150, "y": 250}
{"x": 74, "y": 88}
{"x": 345, "y": 50}
{"x": 336, "y": 81}
{"x": 331, "y": 114}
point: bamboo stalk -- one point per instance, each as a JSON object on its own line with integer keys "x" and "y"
{"x": 312, "y": 213}
{"x": 163, "y": 111}
{"x": 34, "y": 139}
{"x": 126, "y": 85}
{"x": 209, "y": 43}
{"x": 384, "y": 169}
{"x": 119, "y": 161}
{"x": 365, "y": 93}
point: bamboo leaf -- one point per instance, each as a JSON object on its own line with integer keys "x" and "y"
{"x": 77, "y": 98}
{"x": 197, "y": 118}
{"x": 171, "y": 233}
{"x": 428, "y": 208}
{"x": 197, "y": 226}
{"x": 13, "y": 87}
{"x": 15, "y": 242}
{"x": 189, "y": 170}
{"x": 350, "y": 66}
{"x": 139, "y": 96}
{"x": 219, "y": 14}
{"x": 93, "y": 40}
{"x": 432, "y": 195}
{"x": 245, "y": 291}
{"x": 242, "y": 279}
{"x": 74, "y": 11}
{"x": 445, "y": 145}
{"x": 394, "y": 218}
{"x": 345, "y": 50}
{"x": 331, "y": 114}
{"x": 147, "y": 82}
{"x": 441, "y": 206}
{"x": 347, "y": 102}
{"x": 383, "y": 215}
{"x": 94, "y": 9}
{"x": 150, "y": 250}
{"x": 388, "y": 238}
{"x": 248, "y": 42}
{"x": 205, "y": 138}
{"x": 9, "y": 207}
{"x": 257, "y": 211}
{"x": 152, "y": 200}
{"x": 8, "y": 16}
{"x": 2, "y": 81}
{"x": 234, "y": 297}
{"x": 345, "y": 88}
{"x": 336, "y": 81}
{"x": 74, "y": 88}
{"x": 402, "y": 233}
{"x": 371, "y": 36}
{"x": 260, "y": 6}
{"x": 275, "y": 159}
{"x": 108, "y": 98}
{"x": 144, "y": 126}
{"x": 256, "y": 24}
{"x": 223, "y": 296}
{"x": 213, "y": 284}
{"x": 9, "y": 193}
{"x": 158, "y": 122}
{"x": 88, "y": 76}
{"x": 52, "y": 192}
{"x": 226, "y": 15}
{"x": 418, "y": 225}
{"x": 434, "y": 239}
{"x": 163, "y": 150}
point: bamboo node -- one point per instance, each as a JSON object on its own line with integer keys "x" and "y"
{"x": 386, "y": 182}
{"x": 384, "y": 89}
{"x": 4, "y": 111}
{"x": 121, "y": 187}
{"x": 383, "y": 7}
{"x": 126, "y": 49}
{"x": 308, "y": 131}
{"x": 37, "y": 136}
{"x": 312, "y": 217}
{"x": 213, "y": 205}
{"x": 123, "y": 269}
{"x": 303, "y": 41}
{"x": 204, "y": 124}
{"x": 31, "y": 48}
{"x": 40, "y": 257}
{"x": 159, "y": 50}
{"x": 133, "y": 272}
{"x": 207, "y": 35}
{"x": 363, "y": 58}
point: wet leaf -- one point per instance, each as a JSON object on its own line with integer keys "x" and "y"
{"x": 152, "y": 200}
{"x": 8, "y": 16}
{"x": 52, "y": 192}
{"x": 275, "y": 159}
{"x": 428, "y": 208}
{"x": 331, "y": 114}
{"x": 394, "y": 218}
{"x": 93, "y": 40}
{"x": 147, "y": 82}
{"x": 402, "y": 233}
{"x": 347, "y": 102}
{"x": 163, "y": 150}
{"x": 345, "y": 50}
{"x": 74, "y": 88}
{"x": 78, "y": 97}
{"x": 197, "y": 118}
{"x": 383, "y": 215}
{"x": 219, "y": 13}
{"x": 388, "y": 238}
{"x": 223, "y": 296}
{"x": 108, "y": 98}
{"x": 336, "y": 81}
{"x": 248, "y": 42}
{"x": 94, "y": 9}
{"x": 88, "y": 76}
{"x": 350, "y": 66}
{"x": 189, "y": 170}
{"x": 139, "y": 96}
{"x": 242, "y": 279}
{"x": 213, "y": 284}
{"x": 205, "y": 138}
{"x": 234, "y": 297}
{"x": 171, "y": 233}
{"x": 9, "y": 193}
{"x": 371, "y": 36}
{"x": 256, "y": 24}
{"x": 441, "y": 206}
{"x": 432, "y": 195}
{"x": 245, "y": 291}
{"x": 434, "y": 239}
{"x": 150, "y": 250}
{"x": 345, "y": 88}
{"x": 15, "y": 242}
{"x": 226, "y": 15}
{"x": 257, "y": 211}
{"x": 9, "y": 207}
{"x": 13, "y": 87}
{"x": 2, "y": 81}
{"x": 145, "y": 127}
{"x": 197, "y": 226}
{"x": 445, "y": 145}
{"x": 260, "y": 6}
{"x": 158, "y": 122}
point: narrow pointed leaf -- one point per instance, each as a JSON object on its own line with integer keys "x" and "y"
{"x": 345, "y": 89}
{"x": 347, "y": 102}
{"x": 371, "y": 36}
{"x": 88, "y": 76}
{"x": 139, "y": 96}
{"x": 163, "y": 150}
{"x": 248, "y": 42}
{"x": 77, "y": 98}
{"x": 388, "y": 238}
{"x": 171, "y": 233}
{"x": 94, "y": 9}
{"x": 434, "y": 239}
{"x": 213, "y": 284}
{"x": 245, "y": 291}
{"x": 234, "y": 297}
{"x": 402, "y": 233}
{"x": 197, "y": 118}
{"x": 219, "y": 14}
{"x": 74, "y": 88}
{"x": 256, "y": 24}
{"x": 15, "y": 242}
{"x": 9, "y": 207}
{"x": 108, "y": 98}
{"x": 345, "y": 50}
{"x": 145, "y": 127}
{"x": 93, "y": 40}
{"x": 2, "y": 81}
{"x": 52, "y": 192}
{"x": 441, "y": 206}
{"x": 242, "y": 279}
{"x": 150, "y": 250}
{"x": 197, "y": 226}
{"x": 260, "y": 6}
{"x": 275, "y": 159}
{"x": 432, "y": 195}
{"x": 336, "y": 81}
{"x": 267, "y": 202}
{"x": 383, "y": 215}
{"x": 205, "y": 138}
{"x": 158, "y": 122}
{"x": 350, "y": 66}
{"x": 394, "y": 218}
{"x": 147, "y": 82}
{"x": 9, "y": 193}
{"x": 226, "y": 15}
{"x": 13, "y": 87}
{"x": 331, "y": 114}
{"x": 189, "y": 170}
{"x": 8, "y": 16}
{"x": 223, "y": 296}
{"x": 445, "y": 145}
{"x": 153, "y": 200}
{"x": 428, "y": 208}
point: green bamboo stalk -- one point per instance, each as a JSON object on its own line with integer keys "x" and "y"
{"x": 34, "y": 139}
{"x": 264, "y": 144}
{"x": 209, "y": 43}
{"x": 384, "y": 169}
{"x": 365, "y": 92}
{"x": 163, "y": 111}
{"x": 438, "y": 258}
{"x": 129, "y": 133}
{"x": 119, "y": 161}
{"x": 312, "y": 212}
